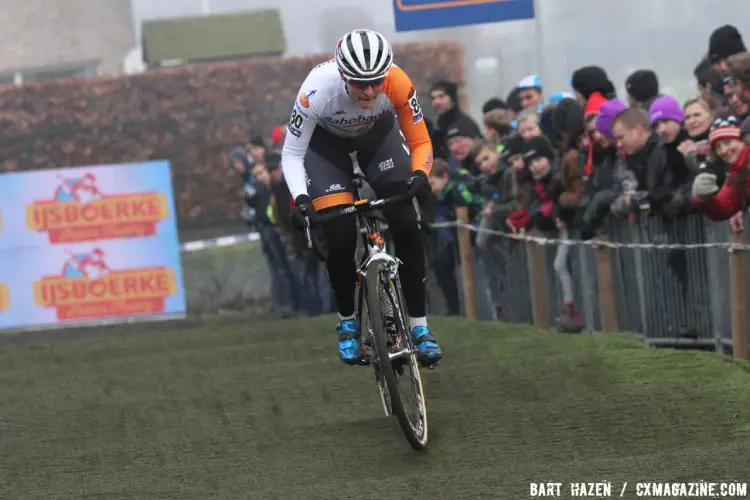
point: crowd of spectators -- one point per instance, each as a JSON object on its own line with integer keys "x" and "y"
{"x": 561, "y": 164}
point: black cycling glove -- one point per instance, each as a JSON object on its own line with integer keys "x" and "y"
{"x": 420, "y": 186}
{"x": 302, "y": 207}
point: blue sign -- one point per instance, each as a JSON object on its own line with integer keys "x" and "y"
{"x": 414, "y": 15}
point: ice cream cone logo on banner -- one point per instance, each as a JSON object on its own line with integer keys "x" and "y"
{"x": 88, "y": 288}
{"x": 80, "y": 212}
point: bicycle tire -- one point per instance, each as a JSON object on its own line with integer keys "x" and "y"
{"x": 416, "y": 433}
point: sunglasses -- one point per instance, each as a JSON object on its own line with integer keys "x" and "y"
{"x": 363, "y": 84}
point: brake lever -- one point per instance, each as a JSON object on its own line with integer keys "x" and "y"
{"x": 426, "y": 226}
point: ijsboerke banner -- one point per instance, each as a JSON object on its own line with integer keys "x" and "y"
{"x": 412, "y": 15}
{"x": 88, "y": 244}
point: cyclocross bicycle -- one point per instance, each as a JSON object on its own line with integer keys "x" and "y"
{"x": 384, "y": 327}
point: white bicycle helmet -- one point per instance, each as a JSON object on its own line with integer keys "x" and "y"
{"x": 364, "y": 55}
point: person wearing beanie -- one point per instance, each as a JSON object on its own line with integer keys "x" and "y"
{"x": 568, "y": 121}
{"x": 444, "y": 97}
{"x": 538, "y": 158}
{"x": 530, "y": 92}
{"x": 642, "y": 87}
{"x": 726, "y": 202}
{"x": 590, "y": 80}
{"x": 546, "y": 214}
{"x": 724, "y": 42}
{"x": 460, "y": 137}
{"x": 545, "y": 125}
{"x": 599, "y": 186}
{"x": 649, "y": 181}
{"x": 606, "y": 116}
{"x": 493, "y": 103}
{"x": 667, "y": 117}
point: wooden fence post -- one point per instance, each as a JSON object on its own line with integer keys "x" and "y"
{"x": 605, "y": 284}
{"x": 538, "y": 283}
{"x": 738, "y": 298}
{"x": 467, "y": 264}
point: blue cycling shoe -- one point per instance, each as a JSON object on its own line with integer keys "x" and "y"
{"x": 349, "y": 344}
{"x": 428, "y": 350}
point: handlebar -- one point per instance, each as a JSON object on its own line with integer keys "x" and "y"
{"x": 362, "y": 206}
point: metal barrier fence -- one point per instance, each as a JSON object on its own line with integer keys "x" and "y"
{"x": 680, "y": 281}
{"x": 669, "y": 280}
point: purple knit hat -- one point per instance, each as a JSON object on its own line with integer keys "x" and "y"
{"x": 607, "y": 114}
{"x": 666, "y": 108}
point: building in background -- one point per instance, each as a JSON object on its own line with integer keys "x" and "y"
{"x": 45, "y": 40}
{"x": 212, "y": 37}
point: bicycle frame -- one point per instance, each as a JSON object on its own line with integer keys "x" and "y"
{"x": 374, "y": 242}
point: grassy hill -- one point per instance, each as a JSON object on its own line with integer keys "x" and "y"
{"x": 266, "y": 410}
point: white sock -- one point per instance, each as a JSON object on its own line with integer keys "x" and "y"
{"x": 422, "y": 321}
{"x": 344, "y": 318}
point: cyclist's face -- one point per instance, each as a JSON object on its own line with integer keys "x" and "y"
{"x": 365, "y": 93}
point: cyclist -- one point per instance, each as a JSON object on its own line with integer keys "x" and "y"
{"x": 360, "y": 102}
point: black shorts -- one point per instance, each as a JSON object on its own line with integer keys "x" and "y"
{"x": 382, "y": 155}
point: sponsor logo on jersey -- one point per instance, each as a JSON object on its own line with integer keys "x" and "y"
{"x": 354, "y": 121}
{"x": 304, "y": 99}
{"x": 386, "y": 164}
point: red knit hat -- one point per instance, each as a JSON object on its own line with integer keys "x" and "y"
{"x": 724, "y": 128}
{"x": 594, "y": 104}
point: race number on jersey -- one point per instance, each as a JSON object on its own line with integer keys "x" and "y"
{"x": 416, "y": 109}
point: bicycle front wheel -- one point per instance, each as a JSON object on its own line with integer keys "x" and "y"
{"x": 397, "y": 354}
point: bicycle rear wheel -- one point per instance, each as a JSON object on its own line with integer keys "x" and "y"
{"x": 397, "y": 354}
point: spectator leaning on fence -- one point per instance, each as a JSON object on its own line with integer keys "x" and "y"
{"x": 448, "y": 192}
{"x": 667, "y": 117}
{"x": 699, "y": 157}
{"x": 647, "y": 182}
{"x": 729, "y": 201}
{"x": 600, "y": 186}
{"x": 498, "y": 189}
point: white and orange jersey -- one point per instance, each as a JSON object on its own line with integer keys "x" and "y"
{"x": 324, "y": 101}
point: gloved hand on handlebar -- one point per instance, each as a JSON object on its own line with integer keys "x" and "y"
{"x": 303, "y": 207}
{"x": 420, "y": 186}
